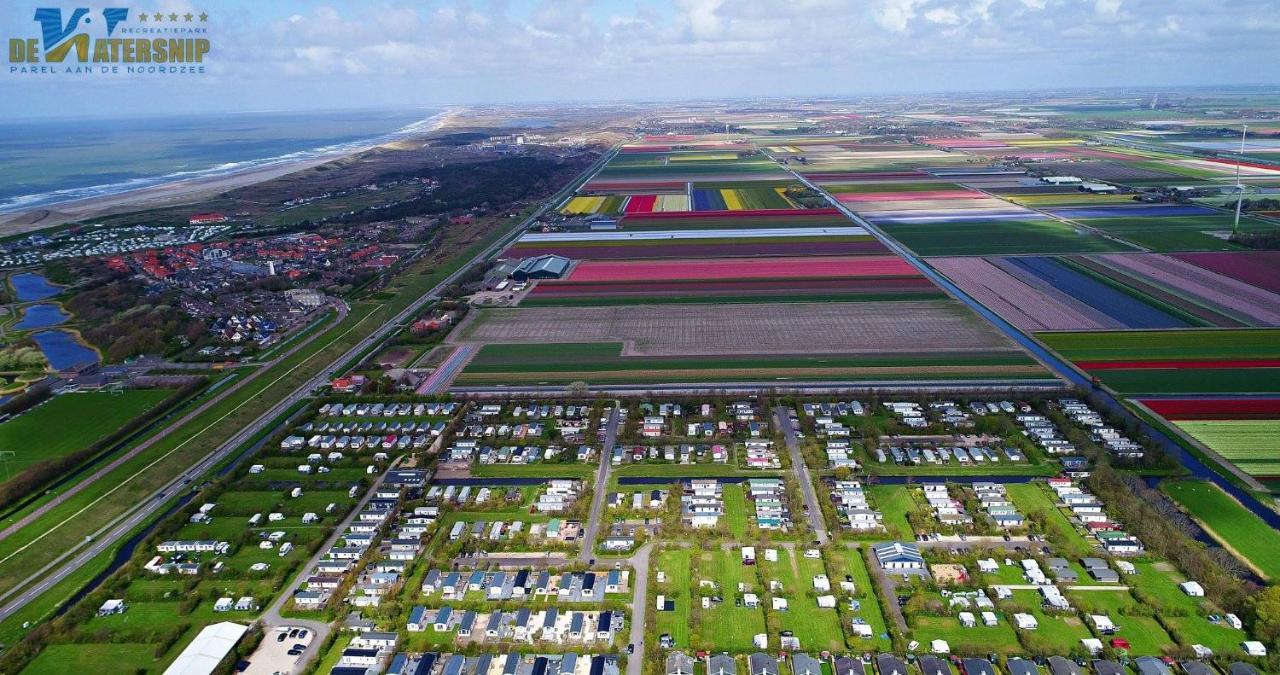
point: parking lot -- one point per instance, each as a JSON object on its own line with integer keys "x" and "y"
{"x": 279, "y": 650}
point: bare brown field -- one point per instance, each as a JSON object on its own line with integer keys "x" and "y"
{"x": 744, "y": 329}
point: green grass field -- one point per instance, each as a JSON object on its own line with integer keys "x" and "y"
{"x": 727, "y": 626}
{"x": 894, "y": 502}
{"x": 849, "y": 561}
{"x": 1160, "y": 582}
{"x": 1145, "y": 635}
{"x": 72, "y": 422}
{"x": 1031, "y": 497}
{"x": 816, "y": 627}
{"x": 77, "y": 658}
{"x": 736, "y": 510}
{"x": 999, "y": 237}
{"x": 1178, "y": 233}
{"x": 1235, "y": 527}
{"x": 674, "y": 564}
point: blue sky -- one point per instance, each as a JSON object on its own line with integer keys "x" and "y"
{"x": 315, "y": 55}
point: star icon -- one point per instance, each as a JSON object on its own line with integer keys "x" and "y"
{"x": 142, "y": 17}
{"x": 173, "y": 17}
{"x": 188, "y": 16}
{"x": 204, "y": 16}
{"x": 158, "y": 16}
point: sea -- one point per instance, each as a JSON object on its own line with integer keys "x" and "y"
{"x": 43, "y": 163}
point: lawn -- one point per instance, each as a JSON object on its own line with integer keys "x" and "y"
{"x": 894, "y": 501}
{"x": 817, "y": 628}
{"x": 1240, "y": 531}
{"x": 999, "y": 638}
{"x": 72, "y": 422}
{"x": 736, "y": 510}
{"x": 1031, "y": 497}
{"x": 999, "y": 237}
{"x": 849, "y": 561}
{"x": 1061, "y": 633}
{"x": 727, "y": 626}
{"x": 1145, "y": 635}
{"x": 1159, "y": 583}
{"x": 674, "y": 563}
{"x": 85, "y": 658}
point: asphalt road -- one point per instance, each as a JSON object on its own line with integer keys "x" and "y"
{"x": 783, "y": 417}
{"x": 271, "y": 618}
{"x": 639, "y": 606}
{"x": 601, "y": 486}
{"x": 106, "y": 537}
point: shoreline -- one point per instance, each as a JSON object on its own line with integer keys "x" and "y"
{"x": 188, "y": 190}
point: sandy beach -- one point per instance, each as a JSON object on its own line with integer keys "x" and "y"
{"x": 185, "y": 191}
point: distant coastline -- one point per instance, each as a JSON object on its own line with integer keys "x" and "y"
{"x": 36, "y": 211}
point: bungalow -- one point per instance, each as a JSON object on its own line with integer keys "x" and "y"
{"x": 678, "y": 663}
{"x": 417, "y": 619}
{"x": 441, "y": 622}
{"x": 803, "y": 664}
{"x": 762, "y": 664}
{"x": 723, "y": 664}
{"x": 467, "y": 623}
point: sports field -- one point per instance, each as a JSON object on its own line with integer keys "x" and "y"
{"x": 72, "y": 422}
{"x": 1241, "y": 532}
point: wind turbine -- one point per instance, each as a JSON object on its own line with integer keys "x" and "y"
{"x": 1239, "y": 187}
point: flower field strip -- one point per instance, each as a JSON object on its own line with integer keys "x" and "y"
{"x": 844, "y": 228}
{"x": 878, "y": 288}
{"x": 1161, "y": 362}
{"x": 712, "y": 248}
{"x": 640, "y": 204}
{"x": 672, "y": 203}
{"x": 1132, "y": 210}
{"x": 1257, "y": 268}
{"x": 743, "y": 268}
{"x": 925, "y": 185}
{"x": 1224, "y": 295}
{"x": 1249, "y": 444}
{"x": 744, "y": 219}
{"x": 603, "y": 363}
{"x": 1177, "y": 409}
{"x": 1026, "y": 307}
{"x": 1179, "y": 364}
{"x": 1119, "y": 305}
{"x": 1154, "y": 293}
{"x": 899, "y": 195}
{"x": 974, "y": 217}
{"x": 635, "y": 186}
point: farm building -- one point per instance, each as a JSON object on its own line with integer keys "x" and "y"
{"x": 541, "y": 267}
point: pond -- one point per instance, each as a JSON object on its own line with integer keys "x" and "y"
{"x": 64, "y": 350}
{"x": 43, "y": 315}
{"x": 30, "y": 286}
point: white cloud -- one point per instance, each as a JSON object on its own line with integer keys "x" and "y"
{"x": 896, "y": 15}
{"x": 943, "y": 15}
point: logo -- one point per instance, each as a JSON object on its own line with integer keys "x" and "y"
{"x": 111, "y": 40}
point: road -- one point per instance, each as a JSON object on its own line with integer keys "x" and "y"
{"x": 783, "y": 417}
{"x": 601, "y": 486}
{"x": 1067, "y": 371}
{"x": 107, "y": 536}
{"x": 639, "y": 563}
{"x": 271, "y": 617}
